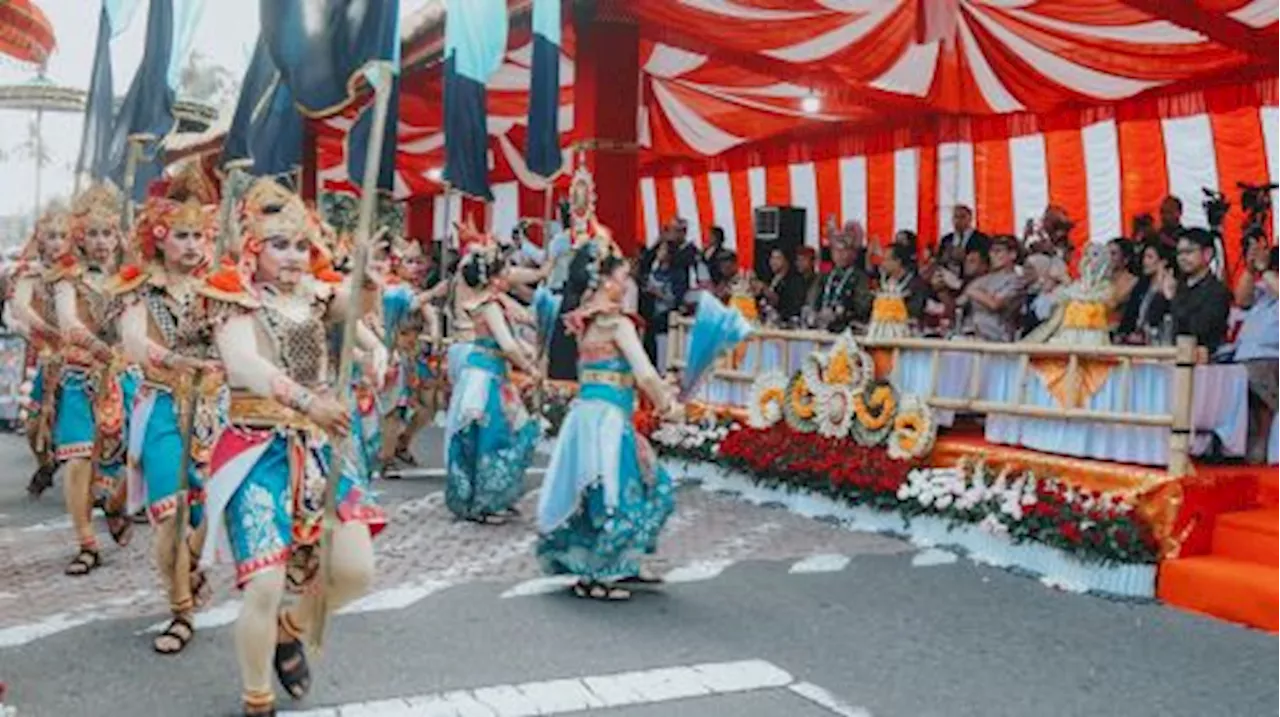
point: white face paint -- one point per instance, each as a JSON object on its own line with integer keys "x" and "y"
{"x": 284, "y": 260}
{"x": 100, "y": 244}
{"x": 183, "y": 250}
{"x": 53, "y": 243}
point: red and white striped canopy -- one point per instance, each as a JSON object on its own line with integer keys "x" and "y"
{"x": 718, "y": 75}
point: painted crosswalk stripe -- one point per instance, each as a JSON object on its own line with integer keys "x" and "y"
{"x": 22, "y": 634}
{"x": 933, "y": 556}
{"x": 588, "y": 694}
{"x": 831, "y": 563}
{"x": 823, "y": 698}
{"x": 396, "y": 598}
{"x": 540, "y": 586}
{"x": 697, "y": 571}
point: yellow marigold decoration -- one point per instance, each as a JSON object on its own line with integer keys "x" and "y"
{"x": 914, "y": 430}
{"x": 802, "y": 399}
{"x": 800, "y": 407}
{"x": 1089, "y": 315}
{"x": 889, "y": 310}
{"x": 875, "y": 413}
{"x": 768, "y": 396}
{"x": 839, "y": 370}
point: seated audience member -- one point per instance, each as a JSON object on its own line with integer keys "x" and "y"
{"x": 807, "y": 268}
{"x": 1124, "y": 275}
{"x": 784, "y": 294}
{"x": 1258, "y": 345}
{"x": 898, "y": 273}
{"x": 1198, "y": 302}
{"x": 1136, "y": 321}
{"x": 1170, "y": 220}
{"x": 940, "y": 305}
{"x": 1043, "y": 276}
{"x": 908, "y": 239}
{"x": 844, "y": 296}
{"x": 993, "y": 301}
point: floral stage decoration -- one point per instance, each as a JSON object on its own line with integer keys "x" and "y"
{"x": 833, "y": 440}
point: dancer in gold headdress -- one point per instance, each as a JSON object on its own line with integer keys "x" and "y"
{"x": 270, "y": 466}
{"x": 162, "y": 333}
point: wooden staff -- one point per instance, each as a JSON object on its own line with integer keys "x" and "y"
{"x": 130, "y": 179}
{"x": 368, "y": 202}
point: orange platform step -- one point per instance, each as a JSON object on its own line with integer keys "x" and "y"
{"x": 1235, "y": 590}
{"x": 1248, "y": 535}
{"x": 1269, "y": 489}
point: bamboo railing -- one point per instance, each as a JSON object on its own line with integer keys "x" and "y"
{"x": 1180, "y": 358}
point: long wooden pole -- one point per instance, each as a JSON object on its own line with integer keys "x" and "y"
{"x": 340, "y": 448}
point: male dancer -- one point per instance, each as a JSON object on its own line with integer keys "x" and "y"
{"x": 162, "y": 332}
{"x": 270, "y": 467}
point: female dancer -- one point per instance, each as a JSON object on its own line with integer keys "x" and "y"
{"x": 489, "y": 436}
{"x": 605, "y": 498}
{"x": 270, "y": 466}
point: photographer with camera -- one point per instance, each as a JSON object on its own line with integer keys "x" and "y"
{"x": 1258, "y": 344}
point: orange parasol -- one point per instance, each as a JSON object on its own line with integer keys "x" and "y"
{"x": 25, "y": 32}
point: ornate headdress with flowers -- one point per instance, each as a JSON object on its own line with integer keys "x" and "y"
{"x": 97, "y": 207}
{"x": 56, "y": 218}
{"x": 269, "y": 209}
{"x": 162, "y": 217}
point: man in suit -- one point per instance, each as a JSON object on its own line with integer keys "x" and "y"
{"x": 844, "y": 296}
{"x": 964, "y": 238}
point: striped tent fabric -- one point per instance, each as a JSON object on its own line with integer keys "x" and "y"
{"x": 1004, "y": 105}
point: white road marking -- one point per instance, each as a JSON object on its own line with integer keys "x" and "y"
{"x": 22, "y": 634}
{"x": 540, "y": 586}
{"x": 207, "y": 619}
{"x": 932, "y": 556}
{"x": 396, "y": 598}
{"x": 590, "y": 694}
{"x": 441, "y": 472}
{"x": 697, "y": 571}
{"x": 830, "y": 563}
{"x": 822, "y": 698}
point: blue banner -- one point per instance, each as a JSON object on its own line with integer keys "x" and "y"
{"x": 475, "y": 40}
{"x": 147, "y": 112}
{"x": 321, "y": 47}
{"x": 266, "y": 131}
{"x": 542, "y": 149}
{"x": 95, "y": 141}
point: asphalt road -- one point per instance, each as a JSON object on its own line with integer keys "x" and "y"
{"x": 756, "y": 627}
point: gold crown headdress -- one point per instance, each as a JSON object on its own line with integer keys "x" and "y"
{"x": 269, "y": 209}
{"x": 56, "y": 218}
{"x": 97, "y": 207}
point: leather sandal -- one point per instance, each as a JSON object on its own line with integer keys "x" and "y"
{"x": 180, "y": 630}
{"x": 85, "y": 562}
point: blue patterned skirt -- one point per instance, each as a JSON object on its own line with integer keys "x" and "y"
{"x": 605, "y": 498}
{"x": 489, "y": 439}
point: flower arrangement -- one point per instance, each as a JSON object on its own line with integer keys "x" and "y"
{"x": 692, "y": 441}
{"x": 1023, "y": 508}
{"x": 1091, "y": 525}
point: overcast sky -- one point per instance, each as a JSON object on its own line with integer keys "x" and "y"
{"x": 226, "y": 34}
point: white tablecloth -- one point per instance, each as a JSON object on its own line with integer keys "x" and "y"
{"x": 1219, "y": 403}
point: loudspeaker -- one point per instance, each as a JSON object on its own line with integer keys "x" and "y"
{"x": 777, "y": 228}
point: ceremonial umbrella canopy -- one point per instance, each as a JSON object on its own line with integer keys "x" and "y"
{"x": 25, "y": 32}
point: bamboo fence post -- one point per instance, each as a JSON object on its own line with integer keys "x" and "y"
{"x": 1183, "y": 380}
{"x": 1126, "y": 381}
{"x": 935, "y": 367}
{"x": 1073, "y": 381}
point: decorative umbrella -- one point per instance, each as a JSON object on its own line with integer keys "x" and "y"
{"x": 716, "y": 329}
{"x": 25, "y": 33}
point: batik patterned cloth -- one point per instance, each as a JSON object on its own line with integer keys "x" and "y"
{"x": 605, "y": 499}
{"x": 489, "y": 436}
{"x": 155, "y": 458}
{"x": 266, "y": 500}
